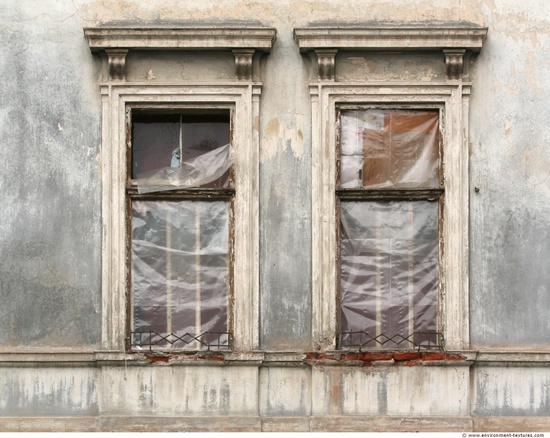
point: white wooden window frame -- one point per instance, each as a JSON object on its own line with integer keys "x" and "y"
{"x": 453, "y": 102}
{"x": 244, "y": 99}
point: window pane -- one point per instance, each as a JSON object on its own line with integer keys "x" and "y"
{"x": 154, "y": 137}
{"x": 180, "y": 269}
{"x": 389, "y": 148}
{"x": 166, "y": 140}
{"x": 389, "y": 264}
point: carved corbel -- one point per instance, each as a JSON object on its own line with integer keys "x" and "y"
{"x": 454, "y": 63}
{"x": 325, "y": 64}
{"x": 243, "y": 64}
{"x": 116, "y": 63}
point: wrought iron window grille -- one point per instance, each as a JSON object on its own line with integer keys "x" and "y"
{"x": 150, "y": 340}
{"x": 363, "y": 341}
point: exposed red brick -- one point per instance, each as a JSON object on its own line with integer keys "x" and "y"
{"x": 318, "y": 356}
{"x": 155, "y": 359}
{"x": 310, "y": 355}
{"x": 410, "y": 355}
{"x": 352, "y": 356}
{"x": 377, "y": 356}
{"x": 433, "y": 356}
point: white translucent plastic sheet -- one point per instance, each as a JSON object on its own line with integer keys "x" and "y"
{"x": 196, "y": 172}
{"x": 180, "y": 268}
{"x": 389, "y": 148}
{"x": 389, "y": 269}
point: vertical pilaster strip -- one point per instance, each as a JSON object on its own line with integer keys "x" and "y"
{"x": 465, "y": 212}
{"x": 106, "y": 215}
{"x": 318, "y": 314}
{"x": 456, "y": 224}
{"x": 254, "y": 241}
{"x": 118, "y": 253}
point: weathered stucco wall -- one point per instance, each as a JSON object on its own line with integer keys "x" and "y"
{"x": 510, "y": 165}
{"x": 50, "y": 233}
{"x": 50, "y": 239}
{"x": 50, "y": 219}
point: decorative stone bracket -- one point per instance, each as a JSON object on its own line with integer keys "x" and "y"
{"x": 243, "y": 64}
{"x": 456, "y": 41}
{"x": 116, "y": 64}
{"x": 326, "y": 64}
{"x": 454, "y": 63}
{"x": 117, "y": 41}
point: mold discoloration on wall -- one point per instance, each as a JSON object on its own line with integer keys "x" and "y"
{"x": 179, "y": 390}
{"x": 390, "y": 391}
{"x": 511, "y": 391}
{"x": 52, "y": 391}
{"x": 285, "y": 391}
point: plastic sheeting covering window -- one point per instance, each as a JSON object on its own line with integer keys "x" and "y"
{"x": 172, "y": 151}
{"x": 197, "y": 172}
{"x": 180, "y": 269}
{"x": 389, "y": 270}
{"x": 389, "y": 148}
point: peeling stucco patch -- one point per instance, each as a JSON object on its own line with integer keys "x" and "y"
{"x": 277, "y": 139}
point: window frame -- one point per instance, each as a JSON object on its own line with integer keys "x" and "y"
{"x": 366, "y": 194}
{"x": 244, "y": 100}
{"x": 453, "y": 101}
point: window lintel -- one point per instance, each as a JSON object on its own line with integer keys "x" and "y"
{"x": 243, "y": 41}
{"x": 456, "y": 40}
{"x": 421, "y": 36}
{"x": 180, "y": 38}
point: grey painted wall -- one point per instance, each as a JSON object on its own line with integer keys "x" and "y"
{"x": 510, "y": 164}
{"x": 50, "y": 235}
{"x": 50, "y": 232}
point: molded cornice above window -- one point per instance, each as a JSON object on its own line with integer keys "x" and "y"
{"x": 243, "y": 41}
{"x": 455, "y": 40}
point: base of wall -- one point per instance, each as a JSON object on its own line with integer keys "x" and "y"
{"x": 273, "y": 424}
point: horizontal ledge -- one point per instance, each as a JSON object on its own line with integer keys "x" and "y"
{"x": 513, "y": 357}
{"x": 177, "y": 84}
{"x": 180, "y": 38}
{"x": 257, "y": 423}
{"x": 248, "y": 357}
{"x": 238, "y": 423}
{"x": 392, "y": 37}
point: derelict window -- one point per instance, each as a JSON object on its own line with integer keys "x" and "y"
{"x": 180, "y": 197}
{"x": 389, "y": 204}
